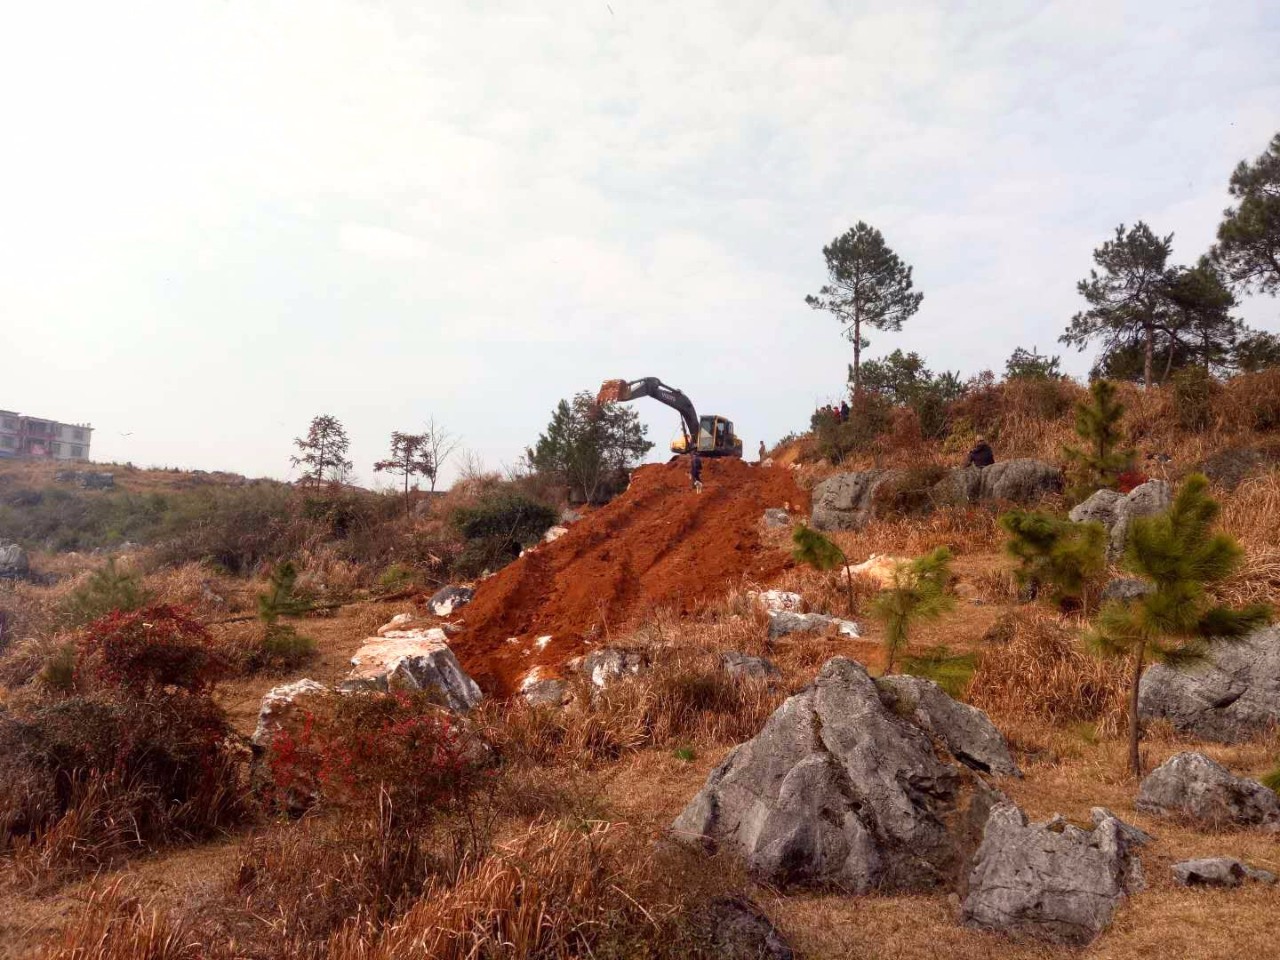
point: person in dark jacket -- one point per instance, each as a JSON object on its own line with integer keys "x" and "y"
{"x": 981, "y": 455}
{"x": 695, "y": 472}
{"x": 844, "y": 411}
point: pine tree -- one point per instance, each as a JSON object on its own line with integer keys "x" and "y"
{"x": 815, "y": 550}
{"x": 917, "y": 592}
{"x": 280, "y": 640}
{"x": 1054, "y": 552}
{"x": 1248, "y": 247}
{"x": 1098, "y": 424}
{"x": 1177, "y": 621}
{"x": 323, "y": 451}
{"x": 410, "y": 457}
{"x": 588, "y": 445}
{"x": 868, "y": 286}
{"x": 1030, "y": 364}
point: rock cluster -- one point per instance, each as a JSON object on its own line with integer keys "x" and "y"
{"x": 1117, "y": 511}
{"x": 417, "y": 660}
{"x": 14, "y": 564}
{"x": 1192, "y": 786}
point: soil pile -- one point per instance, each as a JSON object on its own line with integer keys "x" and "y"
{"x": 658, "y": 545}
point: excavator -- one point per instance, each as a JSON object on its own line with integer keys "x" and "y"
{"x": 711, "y": 436}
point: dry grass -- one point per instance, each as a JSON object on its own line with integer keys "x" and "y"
{"x": 1035, "y": 668}
{"x": 115, "y": 926}
{"x": 1251, "y": 513}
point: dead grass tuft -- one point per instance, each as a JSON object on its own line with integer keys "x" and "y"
{"x": 115, "y": 926}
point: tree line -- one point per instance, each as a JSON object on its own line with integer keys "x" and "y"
{"x": 1151, "y": 317}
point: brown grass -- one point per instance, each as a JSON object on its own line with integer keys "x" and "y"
{"x": 1035, "y": 668}
{"x": 115, "y": 926}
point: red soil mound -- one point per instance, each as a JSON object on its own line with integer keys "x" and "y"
{"x": 658, "y": 545}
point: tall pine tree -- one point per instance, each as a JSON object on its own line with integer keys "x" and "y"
{"x": 868, "y": 285}
{"x": 1100, "y": 461}
{"x": 1248, "y": 247}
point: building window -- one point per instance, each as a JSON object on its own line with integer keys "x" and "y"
{"x": 10, "y": 423}
{"x": 7, "y": 442}
{"x": 55, "y": 448}
{"x": 77, "y": 434}
{"x": 77, "y": 452}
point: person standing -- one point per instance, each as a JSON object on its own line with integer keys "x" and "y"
{"x": 764, "y": 454}
{"x": 695, "y": 472}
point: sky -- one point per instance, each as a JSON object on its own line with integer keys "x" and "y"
{"x": 219, "y": 219}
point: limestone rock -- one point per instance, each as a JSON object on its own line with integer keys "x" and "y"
{"x": 283, "y": 703}
{"x": 605, "y": 666}
{"x": 1117, "y": 511}
{"x": 968, "y": 733}
{"x": 1051, "y": 881}
{"x": 1229, "y": 697}
{"x": 776, "y": 517}
{"x": 14, "y": 564}
{"x": 543, "y": 690}
{"x": 784, "y": 622}
{"x": 1126, "y": 588}
{"x": 448, "y": 599}
{"x": 844, "y": 501}
{"x": 742, "y": 665}
{"x": 838, "y": 788}
{"x": 738, "y": 930}
{"x": 1193, "y": 786}
{"x": 774, "y": 601}
{"x": 554, "y": 533}
{"x": 1218, "y": 872}
{"x": 1018, "y": 481}
{"x": 414, "y": 660}
{"x": 879, "y": 568}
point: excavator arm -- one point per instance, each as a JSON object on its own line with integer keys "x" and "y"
{"x": 616, "y": 391}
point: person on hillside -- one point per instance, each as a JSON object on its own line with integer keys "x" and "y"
{"x": 844, "y": 411}
{"x": 981, "y": 455}
{"x": 764, "y": 454}
{"x": 695, "y": 472}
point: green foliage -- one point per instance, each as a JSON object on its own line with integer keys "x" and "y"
{"x": 868, "y": 420}
{"x": 281, "y": 642}
{"x": 1054, "y": 552}
{"x": 903, "y": 379}
{"x": 497, "y": 528}
{"x": 1175, "y": 623}
{"x": 1272, "y": 780}
{"x": 1031, "y": 365}
{"x": 916, "y": 593}
{"x": 107, "y": 590}
{"x": 59, "y": 671}
{"x": 950, "y": 671}
{"x": 684, "y": 753}
{"x": 1100, "y": 461}
{"x": 868, "y": 285}
{"x": 395, "y": 577}
{"x": 590, "y": 446}
{"x": 813, "y": 549}
{"x": 58, "y": 519}
{"x": 1249, "y": 235}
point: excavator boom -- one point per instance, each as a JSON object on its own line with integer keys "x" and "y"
{"x": 710, "y": 435}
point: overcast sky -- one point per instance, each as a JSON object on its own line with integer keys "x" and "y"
{"x": 218, "y": 219}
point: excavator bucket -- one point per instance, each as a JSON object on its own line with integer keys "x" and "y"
{"x": 613, "y": 391}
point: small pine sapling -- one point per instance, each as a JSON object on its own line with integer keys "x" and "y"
{"x": 817, "y": 551}
{"x": 917, "y": 592}
{"x": 1176, "y": 622}
{"x": 1053, "y": 552}
{"x": 1100, "y": 461}
{"x": 281, "y": 640}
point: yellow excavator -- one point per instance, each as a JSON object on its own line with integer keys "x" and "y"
{"x": 711, "y": 436}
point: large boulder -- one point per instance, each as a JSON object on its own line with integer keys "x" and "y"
{"x": 1017, "y": 481}
{"x": 1230, "y": 696}
{"x": 14, "y": 564}
{"x": 1192, "y": 786}
{"x": 839, "y": 788}
{"x": 970, "y": 736}
{"x": 844, "y": 501}
{"x": 1117, "y": 511}
{"x": 417, "y": 660}
{"x": 1218, "y": 872}
{"x": 282, "y": 705}
{"x": 448, "y": 599}
{"x": 1050, "y": 881}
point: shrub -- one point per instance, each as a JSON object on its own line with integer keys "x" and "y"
{"x": 1054, "y": 552}
{"x": 497, "y": 527}
{"x": 235, "y": 528}
{"x": 362, "y": 746}
{"x": 147, "y": 651}
{"x": 107, "y": 590}
{"x": 911, "y": 492}
{"x": 868, "y": 420}
{"x": 1194, "y": 392}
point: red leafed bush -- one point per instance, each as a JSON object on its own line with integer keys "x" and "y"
{"x": 366, "y": 744}
{"x": 151, "y": 650}
{"x": 1130, "y": 480}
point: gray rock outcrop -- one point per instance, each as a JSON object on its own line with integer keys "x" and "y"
{"x": 282, "y": 705}
{"x": 1232, "y": 695}
{"x": 448, "y": 599}
{"x": 744, "y": 666}
{"x": 776, "y": 517}
{"x": 839, "y": 788}
{"x": 1191, "y": 785}
{"x": 1117, "y": 511}
{"x": 1050, "y": 881}
{"x": 1218, "y": 872}
{"x": 413, "y": 660}
{"x": 1126, "y": 588}
{"x": 847, "y": 501}
{"x": 737, "y": 930}
{"x": 609, "y": 664}
{"x": 785, "y": 622}
{"x": 14, "y": 564}
{"x": 970, "y": 736}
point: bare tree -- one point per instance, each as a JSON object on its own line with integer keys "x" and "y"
{"x": 439, "y": 445}
{"x": 323, "y": 451}
{"x": 409, "y": 458}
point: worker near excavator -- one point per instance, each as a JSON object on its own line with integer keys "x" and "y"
{"x": 981, "y": 455}
{"x": 695, "y": 472}
{"x": 763, "y": 452}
